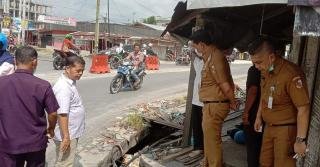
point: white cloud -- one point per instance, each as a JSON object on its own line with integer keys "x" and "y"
{"x": 121, "y": 11}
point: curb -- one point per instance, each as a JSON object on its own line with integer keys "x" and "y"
{"x": 104, "y": 154}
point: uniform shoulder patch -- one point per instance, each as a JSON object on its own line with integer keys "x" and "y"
{"x": 298, "y": 82}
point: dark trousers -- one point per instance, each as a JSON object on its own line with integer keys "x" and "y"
{"x": 196, "y": 124}
{"x": 253, "y": 144}
{"x": 33, "y": 159}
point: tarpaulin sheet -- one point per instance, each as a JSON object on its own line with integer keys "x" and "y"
{"x": 198, "y": 4}
{"x": 304, "y": 2}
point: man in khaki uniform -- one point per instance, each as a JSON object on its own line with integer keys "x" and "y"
{"x": 284, "y": 105}
{"x": 217, "y": 93}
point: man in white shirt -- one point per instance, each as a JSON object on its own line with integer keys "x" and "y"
{"x": 71, "y": 115}
{"x": 196, "y": 122}
{"x": 6, "y": 60}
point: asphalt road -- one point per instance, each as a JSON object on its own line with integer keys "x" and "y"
{"x": 102, "y": 108}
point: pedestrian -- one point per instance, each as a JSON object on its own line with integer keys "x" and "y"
{"x": 216, "y": 92}
{"x": 284, "y": 105}
{"x": 253, "y": 138}
{"x": 196, "y": 118}
{"x": 71, "y": 115}
{"x": 24, "y": 99}
{"x": 6, "y": 60}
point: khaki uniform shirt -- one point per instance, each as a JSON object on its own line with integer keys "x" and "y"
{"x": 215, "y": 71}
{"x": 282, "y": 91}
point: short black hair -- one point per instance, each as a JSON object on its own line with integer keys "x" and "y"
{"x": 214, "y": 33}
{"x": 201, "y": 36}
{"x": 136, "y": 44}
{"x": 72, "y": 60}
{"x": 25, "y": 55}
{"x": 274, "y": 45}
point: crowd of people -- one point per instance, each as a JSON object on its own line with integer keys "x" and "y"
{"x": 277, "y": 106}
{"x": 276, "y": 115}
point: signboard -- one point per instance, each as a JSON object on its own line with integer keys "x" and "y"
{"x": 58, "y": 20}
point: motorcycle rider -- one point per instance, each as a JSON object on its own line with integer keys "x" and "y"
{"x": 137, "y": 58}
{"x": 6, "y": 60}
{"x": 67, "y": 45}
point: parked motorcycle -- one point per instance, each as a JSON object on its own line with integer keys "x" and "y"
{"x": 184, "y": 57}
{"x": 59, "y": 58}
{"x": 124, "y": 79}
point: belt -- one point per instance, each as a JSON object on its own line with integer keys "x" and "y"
{"x": 287, "y": 124}
{"x": 222, "y": 101}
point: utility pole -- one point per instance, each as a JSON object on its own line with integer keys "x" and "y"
{"x": 105, "y": 31}
{"x": 109, "y": 18}
{"x": 133, "y": 14}
{"x": 96, "y": 41}
{"x": 20, "y": 16}
{"x": 23, "y": 22}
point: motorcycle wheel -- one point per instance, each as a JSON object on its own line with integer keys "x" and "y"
{"x": 140, "y": 84}
{"x": 116, "y": 84}
{"x": 114, "y": 62}
{"x": 57, "y": 62}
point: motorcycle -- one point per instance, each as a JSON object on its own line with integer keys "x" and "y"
{"x": 59, "y": 58}
{"x": 124, "y": 79}
{"x": 115, "y": 59}
{"x": 184, "y": 57}
{"x": 12, "y": 48}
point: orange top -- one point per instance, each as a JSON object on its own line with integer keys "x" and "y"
{"x": 66, "y": 43}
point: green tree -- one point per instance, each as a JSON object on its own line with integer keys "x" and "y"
{"x": 150, "y": 20}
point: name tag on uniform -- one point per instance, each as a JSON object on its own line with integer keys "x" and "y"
{"x": 270, "y": 101}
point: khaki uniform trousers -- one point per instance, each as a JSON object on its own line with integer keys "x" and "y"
{"x": 213, "y": 118}
{"x": 66, "y": 159}
{"x": 278, "y": 146}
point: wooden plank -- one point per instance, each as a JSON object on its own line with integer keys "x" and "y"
{"x": 298, "y": 49}
{"x": 173, "y": 156}
{"x": 313, "y": 157}
{"x": 164, "y": 122}
{"x": 308, "y": 62}
{"x": 187, "y": 130}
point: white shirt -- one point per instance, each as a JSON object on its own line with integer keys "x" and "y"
{"x": 6, "y": 69}
{"x": 70, "y": 103}
{"x": 198, "y": 65}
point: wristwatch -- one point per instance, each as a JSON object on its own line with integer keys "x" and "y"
{"x": 300, "y": 139}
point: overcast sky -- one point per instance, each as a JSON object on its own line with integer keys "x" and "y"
{"x": 121, "y": 11}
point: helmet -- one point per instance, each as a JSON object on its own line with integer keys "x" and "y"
{"x": 68, "y": 36}
{"x": 3, "y": 41}
{"x": 144, "y": 45}
{"x": 150, "y": 44}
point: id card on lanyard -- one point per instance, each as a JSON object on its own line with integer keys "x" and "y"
{"x": 270, "y": 99}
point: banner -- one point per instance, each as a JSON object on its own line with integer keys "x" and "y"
{"x": 58, "y": 20}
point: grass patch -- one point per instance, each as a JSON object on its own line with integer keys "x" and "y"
{"x": 135, "y": 121}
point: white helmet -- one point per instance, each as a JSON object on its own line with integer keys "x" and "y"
{"x": 144, "y": 45}
{"x": 150, "y": 44}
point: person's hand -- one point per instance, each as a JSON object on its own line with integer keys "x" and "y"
{"x": 234, "y": 105}
{"x": 300, "y": 148}
{"x": 50, "y": 133}
{"x": 258, "y": 124}
{"x": 245, "y": 119}
{"x": 65, "y": 144}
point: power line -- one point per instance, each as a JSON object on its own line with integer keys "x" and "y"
{"x": 145, "y": 7}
